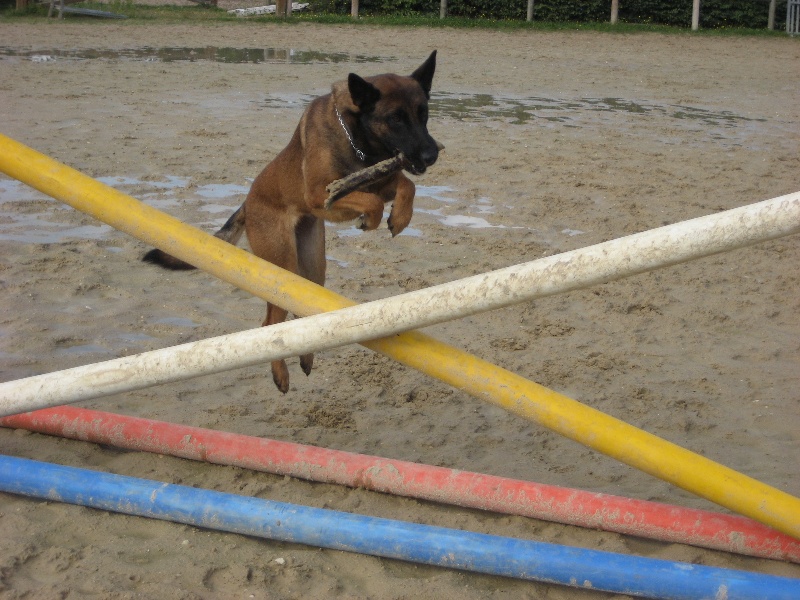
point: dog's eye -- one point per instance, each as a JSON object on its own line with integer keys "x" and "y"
{"x": 398, "y": 118}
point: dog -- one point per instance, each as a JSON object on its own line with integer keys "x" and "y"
{"x": 361, "y": 122}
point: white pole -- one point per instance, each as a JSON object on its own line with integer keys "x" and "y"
{"x": 771, "y": 15}
{"x": 614, "y": 11}
{"x": 442, "y": 9}
{"x": 696, "y": 15}
{"x": 565, "y": 272}
{"x": 529, "y": 15}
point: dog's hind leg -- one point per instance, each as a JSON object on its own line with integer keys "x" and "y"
{"x": 271, "y": 233}
{"x": 310, "y": 236}
{"x": 280, "y": 372}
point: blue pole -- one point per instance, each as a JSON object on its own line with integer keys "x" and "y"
{"x": 523, "y": 559}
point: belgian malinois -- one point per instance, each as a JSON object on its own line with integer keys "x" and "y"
{"x": 361, "y": 122}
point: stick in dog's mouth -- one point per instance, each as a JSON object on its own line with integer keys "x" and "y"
{"x": 366, "y": 176}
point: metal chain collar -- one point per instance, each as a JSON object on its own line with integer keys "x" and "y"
{"x": 359, "y": 153}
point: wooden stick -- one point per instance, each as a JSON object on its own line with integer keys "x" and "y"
{"x": 355, "y": 181}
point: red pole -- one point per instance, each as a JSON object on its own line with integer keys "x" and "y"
{"x": 472, "y": 490}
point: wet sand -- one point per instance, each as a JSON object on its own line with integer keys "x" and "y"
{"x": 554, "y": 141}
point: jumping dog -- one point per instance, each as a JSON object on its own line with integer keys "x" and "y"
{"x": 361, "y": 122}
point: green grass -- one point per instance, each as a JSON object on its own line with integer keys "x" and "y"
{"x": 139, "y": 13}
{"x": 134, "y": 12}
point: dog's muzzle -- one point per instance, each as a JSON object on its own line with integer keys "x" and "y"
{"x": 425, "y": 159}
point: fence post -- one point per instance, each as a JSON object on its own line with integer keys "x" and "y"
{"x": 696, "y": 15}
{"x": 529, "y": 16}
{"x": 771, "y": 17}
{"x": 793, "y": 17}
{"x": 614, "y": 11}
{"x": 354, "y": 9}
{"x": 442, "y": 9}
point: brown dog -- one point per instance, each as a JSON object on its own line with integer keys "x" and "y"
{"x": 361, "y": 122}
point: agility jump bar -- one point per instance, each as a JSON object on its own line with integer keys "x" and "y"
{"x": 569, "y": 506}
{"x": 425, "y": 544}
{"x": 628, "y": 516}
{"x": 612, "y": 260}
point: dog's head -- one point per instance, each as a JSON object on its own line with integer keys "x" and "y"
{"x": 393, "y": 114}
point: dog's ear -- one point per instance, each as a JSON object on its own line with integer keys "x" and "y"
{"x": 364, "y": 95}
{"x": 424, "y": 74}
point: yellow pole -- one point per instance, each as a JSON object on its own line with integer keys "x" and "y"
{"x": 477, "y": 377}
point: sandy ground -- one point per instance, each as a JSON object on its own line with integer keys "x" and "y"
{"x": 554, "y": 141}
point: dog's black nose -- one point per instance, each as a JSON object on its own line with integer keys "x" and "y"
{"x": 429, "y": 155}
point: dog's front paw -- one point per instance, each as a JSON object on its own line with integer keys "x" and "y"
{"x": 369, "y": 220}
{"x": 397, "y": 223}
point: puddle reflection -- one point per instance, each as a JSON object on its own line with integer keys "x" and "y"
{"x": 31, "y": 217}
{"x": 207, "y": 53}
{"x": 523, "y": 110}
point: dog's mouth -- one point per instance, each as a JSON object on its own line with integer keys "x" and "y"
{"x": 420, "y": 162}
{"x": 415, "y": 170}
{"x": 415, "y": 167}
{"x": 408, "y": 164}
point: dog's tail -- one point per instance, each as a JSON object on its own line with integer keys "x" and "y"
{"x": 231, "y": 232}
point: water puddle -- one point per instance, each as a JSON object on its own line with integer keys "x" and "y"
{"x": 176, "y": 322}
{"x": 445, "y": 194}
{"x": 170, "y": 182}
{"x": 161, "y": 194}
{"x": 523, "y": 110}
{"x": 467, "y": 221}
{"x": 442, "y": 193}
{"x": 341, "y": 263}
{"x": 187, "y": 54}
{"x": 441, "y": 215}
{"x": 31, "y": 217}
{"x": 111, "y": 345}
{"x": 286, "y": 100}
{"x": 222, "y": 190}
{"x": 519, "y": 110}
{"x": 82, "y": 349}
{"x": 721, "y": 126}
{"x": 515, "y": 110}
